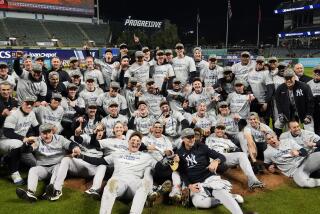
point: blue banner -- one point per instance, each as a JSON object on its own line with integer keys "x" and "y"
{"x": 309, "y": 62}
{"x": 306, "y": 7}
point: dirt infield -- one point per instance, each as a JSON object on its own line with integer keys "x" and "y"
{"x": 235, "y": 176}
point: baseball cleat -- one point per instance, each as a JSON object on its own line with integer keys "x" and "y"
{"x": 185, "y": 197}
{"x": 238, "y": 198}
{"x": 257, "y": 184}
{"x": 26, "y": 195}
{"x": 175, "y": 195}
{"x": 152, "y": 197}
{"x": 56, "y": 195}
{"x": 166, "y": 187}
{"x": 93, "y": 193}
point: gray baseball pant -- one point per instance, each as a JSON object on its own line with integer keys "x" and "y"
{"x": 241, "y": 159}
{"x": 126, "y": 188}
{"x": 78, "y": 167}
{"x": 37, "y": 173}
{"x": 302, "y": 174}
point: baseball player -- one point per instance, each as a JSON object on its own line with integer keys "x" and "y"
{"x": 15, "y": 130}
{"x": 234, "y": 157}
{"x": 210, "y": 74}
{"x": 49, "y": 149}
{"x": 242, "y": 68}
{"x": 112, "y": 95}
{"x": 112, "y": 118}
{"x": 5, "y": 76}
{"x": 315, "y": 89}
{"x": 225, "y": 85}
{"x": 305, "y": 139}
{"x": 91, "y": 92}
{"x": 201, "y": 64}
{"x": 141, "y": 120}
{"x": 30, "y": 84}
{"x": 93, "y": 72}
{"x": 89, "y": 120}
{"x": 199, "y": 174}
{"x": 140, "y": 69}
{"x": 292, "y": 160}
{"x": 52, "y": 113}
{"x": 78, "y": 167}
{"x": 184, "y": 66}
{"x": 161, "y": 70}
{"x": 127, "y": 180}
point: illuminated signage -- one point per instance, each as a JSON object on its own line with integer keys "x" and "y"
{"x": 307, "y": 7}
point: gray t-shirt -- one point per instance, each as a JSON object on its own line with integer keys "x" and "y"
{"x": 182, "y": 67}
{"x": 141, "y": 72}
{"x": 162, "y": 144}
{"x": 239, "y": 103}
{"x": 109, "y": 122}
{"x": 258, "y": 81}
{"x": 210, "y": 77}
{"x": 161, "y": 72}
{"x": 242, "y": 71}
{"x": 219, "y": 144}
{"x": 302, "y": 139}
{"x": 90, "y": 96}
{"x": 282, "y": 158}
{"x": 45, "y": 114}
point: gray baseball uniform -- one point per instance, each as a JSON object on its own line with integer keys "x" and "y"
{"x": 70, "y": 111}
{"x": 105, "y": 98}
{"x": 302, "y": 139}
{"x": 45, "y": 114}
{"x": 106, "y": 70}
{"x": 182, "y": 67}
{"x": 153, "y": 101}
{"x": 223, "y": 146}
{"x": 299, "y": 167}
{"x": 210, "y": 77}
{"x": 141, "y": 72}
{"x": 161, "y": 72}
{"x": 242, "y": 71}
{"x": 239, "y": 103}
{"x": 90, "y": 96}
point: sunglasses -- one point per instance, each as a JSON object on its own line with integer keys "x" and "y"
{"x": 146, "y": 50}
{"x": 212, "y": 60}
{"x": 91, "y": 81}
{"x": 72, "y": 89}
{"x": 220, "y": 127}
{"x": 29, "y": 103}
{"x": 260, "y": 62}
{"x": 179, "y": 48}
{"x": 178, "y": 83}
{"x": 57, "y": 99}
{"x": 287, "y": 78}
{"x": 92, "y": 107}
{"x": 223, "y": 106}
{"x": 76, "y": 76}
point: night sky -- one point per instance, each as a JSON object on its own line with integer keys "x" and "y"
{"x": 242, "y": 26}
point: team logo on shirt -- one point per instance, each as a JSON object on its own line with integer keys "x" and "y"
{"x": 299, "y": 93}
{"x": 191, "y": 159}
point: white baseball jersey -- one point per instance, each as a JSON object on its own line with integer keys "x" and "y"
{"x": 162, "y": 144}
{"x": 141, "y": 72}
{"x": 109, "y": 122}
{"x": 28, "y": 88}
{"x": 45, "y": 114}
{"x": 20, "y": 122}
{"x": 219, "y": 144}
{"x": 242, "y": 71}
{"x": 161, "y": 72}
{"x": 257, "y": 135}
{"x": 111, "y": 145}
{"x": 302, "y": 139}
{"x": 50, "y": 153}
{"x": 282, "y": 158}
{"x": 210, "y": 77}
{"x": 182, "y": 67}
{"x": 258, "y": 81}
{"x": 172, "y": 123}
{"x": 130, "y": 165}
{"x": 239, "y": 103}
{"x": 105, "y": 98}
{"x": 90, "y": 96}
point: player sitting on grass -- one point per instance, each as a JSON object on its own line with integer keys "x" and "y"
{"x": 234, "y": 157}
{"x": 292, "y": 160}
{"x": 49, "y": 149}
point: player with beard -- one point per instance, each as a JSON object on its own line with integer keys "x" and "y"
{"x": 242, "y": 68}
{"x": 225, "y": 85}
{"x": 210, "y": 74}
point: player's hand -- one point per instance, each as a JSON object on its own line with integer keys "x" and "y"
{"x": 76, "y": 152}
{"x": 213, "y": 166}
{"x": 80, "y": 119}
{"x": 19, "y": 54}
{"x": 294, "y": 153}
{"x": 6, "y": 112}
{"x": 151, "y": 147}
{"x": 78, "y": 131}
{"x": 136, "y": 39}
{"x": 194, "y": 187}
{"x": 206, "y": 132}
{"x": 307, "y": 120}
{"x": 251, "y": 97}
{"x": 138, "y": 94}
{"x": 168, "y": 152}
{"x": 272, "y": 168}
{"x": 176, "y": 158}
{"x": 311, "y": 144}
{"x": 194, "y": 120}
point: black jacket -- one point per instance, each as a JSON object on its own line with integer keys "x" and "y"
{"x": 193, "y": 165}
{"x": 304, "y": 78}
{"x": 302, "y": 96}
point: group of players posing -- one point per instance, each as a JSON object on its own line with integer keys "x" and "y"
{"x": 176, "y": 122}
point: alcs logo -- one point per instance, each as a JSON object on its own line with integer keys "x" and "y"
{"x": 5, "y": 55}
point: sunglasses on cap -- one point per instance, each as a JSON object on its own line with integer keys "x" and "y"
{"x": 168, "y": 54}
{"x": 272, "y": 61}
{"x": 90, "y": 80}
{"x": 223, "y": 106}
{"x": 146, "y": 50}
{"x": 57, "y": 99}
{"x": 259, "y": 62}
{"x": 212, "y": 60}
{"x": 92, "y": 107}
{"x": 37, "y": 72}
{"x": 177, "y": 82}
{"x": 287, "y": 78}
{"x": 76, "y": 76}
{"x": 150, "y": 83}
{"x": 190, "y": 137}
{"x": 29, "y": 103}
{"x": 179, "y": 48}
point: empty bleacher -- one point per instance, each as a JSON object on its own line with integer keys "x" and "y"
{"x": 27, "y": 32}
{"x": 30, "y": 31}
{"x": 98, "y": 33}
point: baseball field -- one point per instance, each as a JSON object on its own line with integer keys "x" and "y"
{"x": 284, "y": 197}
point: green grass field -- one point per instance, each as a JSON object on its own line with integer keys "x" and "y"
{"x": 288, "y": 199}
{"x": 308, "y": 72}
